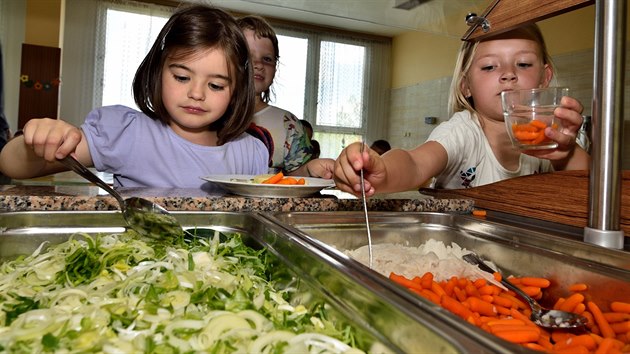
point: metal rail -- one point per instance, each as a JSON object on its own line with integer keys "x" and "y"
{"x": 604, "y": 227}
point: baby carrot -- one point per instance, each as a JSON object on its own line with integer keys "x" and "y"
{"x": 479, "y": 212}
{"x": 584, "y": 340}
{"x": 535, "y": 282}
{"x": 538, "y": 124}
{"x": 605, "y": 346}
{"x": 579, "y": 308}
{"x": 603, "y": 325}
{"x": 497, "y": 276}
{"x": 455, "y": 307}
{"x": 613, "y": 317}
{"x": 571, "y": 302}
{"x": 620, "y": 327}
{"x": 578, "y": 287}
{"x": 619, "y": 306}
{"x": 433, "y": 297}
{"x": 520, "y": 336}
{"x": 482, "y": 307}
{"x": 402, "y": 280}
{"x": 535, "y": 346}
{"x": 427, "y": 280}
{"x": 301, "y": 181}
{"x": 288, "y": 180}
{"x": 274, "y": 179}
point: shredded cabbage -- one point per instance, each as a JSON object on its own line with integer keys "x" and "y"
{"x": 119, "y": 293}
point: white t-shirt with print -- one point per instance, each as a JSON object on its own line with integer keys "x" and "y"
{"x": 471, "y": 162}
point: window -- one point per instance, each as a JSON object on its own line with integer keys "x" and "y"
{"x": 347, "y": 108}
{"x": 129, "y": 35}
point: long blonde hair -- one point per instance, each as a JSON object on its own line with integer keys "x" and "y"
{"x": 457, "y": 100}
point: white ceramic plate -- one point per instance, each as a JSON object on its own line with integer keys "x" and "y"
{"x": 243, "y": 185}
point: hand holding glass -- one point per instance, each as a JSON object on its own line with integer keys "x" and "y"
{"x": 527, "y": 113}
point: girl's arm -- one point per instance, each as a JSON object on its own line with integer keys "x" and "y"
{"x": 35, "y": 153}
{"x": 395, "y": 171}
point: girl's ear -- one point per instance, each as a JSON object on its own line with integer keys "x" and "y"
{"x": 547, "y": 76}
{"x": 463, "y": 86}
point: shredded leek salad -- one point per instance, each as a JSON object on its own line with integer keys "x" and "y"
{"x": 120, "y": 294}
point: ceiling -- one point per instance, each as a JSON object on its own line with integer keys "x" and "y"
{"x": 378, "y": 17}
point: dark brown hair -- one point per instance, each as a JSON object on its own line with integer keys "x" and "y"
{"x": 192, "y": 29}
{"x": 262, "y": 29}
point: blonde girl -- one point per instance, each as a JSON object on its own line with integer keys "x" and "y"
{"x": 472, "y": 148}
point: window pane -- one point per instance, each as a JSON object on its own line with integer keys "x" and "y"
{"x": 129, "y": 37}
{"x": 290, "y": 79}
{"x": 340, "y": 94}
{"x": 332, "y": 143}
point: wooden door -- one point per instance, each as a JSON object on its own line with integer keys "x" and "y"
{"x": 39, "y": 83}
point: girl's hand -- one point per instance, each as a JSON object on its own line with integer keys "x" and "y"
{"x": 349, "y": 164}
{"x": 51, "y": 138}
{"x": 570, "y": 113}
{"x": 322, "y": 168}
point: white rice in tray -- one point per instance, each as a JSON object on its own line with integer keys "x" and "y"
{"x": 433, "y": 256}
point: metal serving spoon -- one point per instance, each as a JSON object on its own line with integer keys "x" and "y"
{"x": 143, "y": 216}
{"x": 540, "y": 315}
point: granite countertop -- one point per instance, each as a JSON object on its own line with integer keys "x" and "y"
{"x": 85, "y": 197}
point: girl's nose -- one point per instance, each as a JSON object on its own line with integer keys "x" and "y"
{"x": 196, "y": 92}
{"x": 508, "y": 76}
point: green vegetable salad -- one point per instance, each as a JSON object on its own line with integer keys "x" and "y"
{"x": 120, "y": 294}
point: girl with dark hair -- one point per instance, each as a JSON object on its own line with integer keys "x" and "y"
{"x": 196, "y": 93}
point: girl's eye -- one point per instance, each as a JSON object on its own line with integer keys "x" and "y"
{"x": 269, "y": 60}
{"x": 216, "y": 87}
{"x": 487, "y": 67}
{"x": 181, "y": 78}
{"x": 524, "y": 65}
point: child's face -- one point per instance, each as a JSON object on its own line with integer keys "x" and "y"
{"x": 504, "y": 64}
{"x": 196, "y": 89}
{"x": 263, "y": 58}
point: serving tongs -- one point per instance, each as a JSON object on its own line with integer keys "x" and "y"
{"x": 540, "y": 315}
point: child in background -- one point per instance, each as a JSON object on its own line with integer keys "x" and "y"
{"x": 381, "y": 146}
{"x": 195, "y": 90}
{"x": 292, "y": 150}
{"x": 473, "y": 148}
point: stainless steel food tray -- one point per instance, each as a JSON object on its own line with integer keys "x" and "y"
{"x": 373, "y": 310}
{"x": 536, "y": 251}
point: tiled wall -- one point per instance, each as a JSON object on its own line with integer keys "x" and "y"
{"x": 409, "y": 105}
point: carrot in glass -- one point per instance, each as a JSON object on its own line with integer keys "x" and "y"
{"x": 538, "y": 124}
{"x": 603, "y": 325}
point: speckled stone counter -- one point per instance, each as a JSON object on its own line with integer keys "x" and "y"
{"x": 84, "y": 197}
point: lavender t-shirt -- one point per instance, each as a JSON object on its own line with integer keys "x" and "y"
{"x": 142, "y": 152}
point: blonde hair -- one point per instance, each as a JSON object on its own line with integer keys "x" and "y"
{"x": 457, "y": 100}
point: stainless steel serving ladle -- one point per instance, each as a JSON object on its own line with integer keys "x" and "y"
{"x": 540, "y": 315}
{"x": 143, "y": 216}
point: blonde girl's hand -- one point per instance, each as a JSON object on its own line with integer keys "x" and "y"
{"x": 51, "y": 138}
{"x": 349, "y": 164}
{"x": 570, "y": 115}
